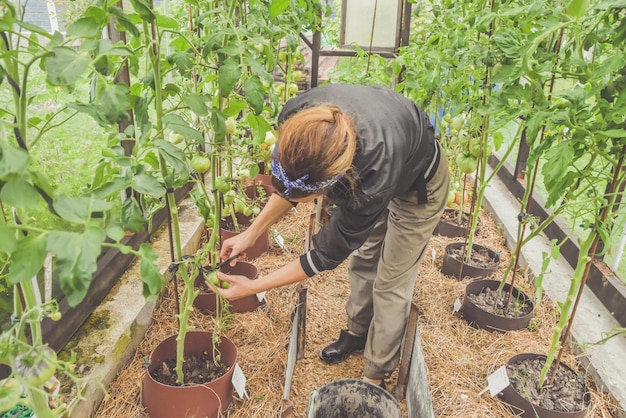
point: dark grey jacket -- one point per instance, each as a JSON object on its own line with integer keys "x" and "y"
{"x": 396, "y": 144}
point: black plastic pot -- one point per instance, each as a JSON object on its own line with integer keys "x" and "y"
{"x": 457, "y": 268}
{"x": 352, "y": 398}
{"x": 523, "y": 408}
{"x": 449, "y": 229}
{"x": 479, "y": 318}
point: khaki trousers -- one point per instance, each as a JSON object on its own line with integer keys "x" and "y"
{"x": 383, "y": 272}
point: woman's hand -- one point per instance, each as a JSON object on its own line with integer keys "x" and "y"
{"x": 239, "y": 286}
{"x": 236, "y": 245}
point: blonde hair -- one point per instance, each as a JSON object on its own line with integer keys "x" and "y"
{"x": 319, "y": 142}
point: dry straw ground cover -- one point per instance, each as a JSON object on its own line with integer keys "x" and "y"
{"x": 458, "y": 357}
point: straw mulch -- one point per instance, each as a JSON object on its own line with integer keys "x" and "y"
{"x": 458, "y": 358}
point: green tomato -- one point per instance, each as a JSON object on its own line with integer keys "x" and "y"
{"x": 222, "y": 184}
{"x": 36, "y": 366}
{"x": 293, "y": 89}
{"x": 229, "y": 197}
{"x": 212, "y": 278}
{"x": 240, "y": 205}
{"x": 176, "y": 138}
{"x": 451, "y": 197}
{"x": 297, "y": 75}
{"x": 224, "y": 285}
{"x": 55, "y": 316}
{"x": 247, "y": 211}
{"x": 243, "y": 174}
{"x": 201, "y": 163}
{"x": 231, "y": 126}
{"x": 256, "y": 210}
{"x": 457, "y": 122}
{"x": 10, "y": 392}
{"x": 467, "y": 163}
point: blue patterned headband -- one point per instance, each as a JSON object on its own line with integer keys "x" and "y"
{"x": 279, "y": 172}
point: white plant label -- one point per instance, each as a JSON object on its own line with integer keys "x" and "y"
{"x": 280, "y": 240}
{"x": 496, "y": 382}
{"x": 261, "y": 296}
{"x": 457, "y": 306}
{"x": 239, "y": 382}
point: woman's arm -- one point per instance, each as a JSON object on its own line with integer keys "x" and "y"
{"x": 274, "y": 209}
{"x": 241, "y": 286}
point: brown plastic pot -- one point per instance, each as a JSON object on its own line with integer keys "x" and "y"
{"x": 453, "y": 267}
{"x": 523, "y": 408}
{"x": 266, "y": 181}
{"x": 206, "y": 302}
{"x": 206, "y": 400}
{"x": 479, "y": 318}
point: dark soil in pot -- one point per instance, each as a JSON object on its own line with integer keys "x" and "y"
{"x": 567, "y": 396}
{"x": 480, "y": 257}
{"x": 492, "y": 301}
{"x": 486, "y": 308}
{"x": 197, "y": 369}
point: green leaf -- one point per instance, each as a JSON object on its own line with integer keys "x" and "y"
{"x": 132, "y": 218}
{"x": 174, "y": 157}
{"x": 142, "y": 7}
{"x": 557, "y": 160}
{"x": 79, "y": 209}
{"x": 8, "y": 243}
{"x": 76, "y": 256}
{"x": 577, "y": 8}
{"x": 153, "y": 280}
{"x": 13, "y": 160}
{"x": 20, "y": 194}
{"x": 113, "y": 102}
{"x": 33, "y": 28}
{"x": 278, "y": 6}
{"x": 178, "y": 125}
{"x": 228, "y": 75}
{"x": 146, "y": 184}
{"x": 259, "y": 126}
{"x": 182, "y": 61}
{"x": 27, "y": 259}
{"x": 218, "y": 121}
{"x": 65, "y": 66}
{"x": 234, "y": 107}
{"x": 122, "y": 22}
{"x": 255, "y": 94}
{"x": 115, "y": 232}
{"x": 166, "y": 22}
{"x": 196, "y": 104}
{"x": 85, "y": 27}
{"x": 111, "y": 187}
{"x": 613, "y": 133}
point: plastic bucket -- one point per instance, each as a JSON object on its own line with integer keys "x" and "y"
{"x": 352, "y": 398}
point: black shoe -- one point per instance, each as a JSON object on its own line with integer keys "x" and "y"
{"x": 343, "y": 347}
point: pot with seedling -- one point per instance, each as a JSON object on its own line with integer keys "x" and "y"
{"x": 583, "y": 174}
{"x": 37, "y": 220}
{"x": 469, "y": 259}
